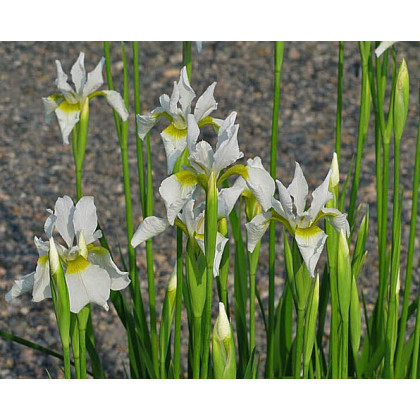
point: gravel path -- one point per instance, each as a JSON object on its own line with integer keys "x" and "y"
{"x": 35, "y": 167}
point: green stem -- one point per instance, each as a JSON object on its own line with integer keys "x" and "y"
{"x": 178, "y": 304}
{"x": 344, "y": 349}
{"x": 278, "y": 61}
{"x": 299, "y": 343}
{"x": 363, "y": 127}
{"x": 197, "y": 347}
{"x": 253, "y": 263}
{"x": 82, "y": 344}
{"x": 210, "y": 233}
{"x": 187, "y": 56}
{"x": 111, "y": 84}
{"x": 339, "y": 100}
{"x": 410, "y": 254}
{"x": 74, "y": 332}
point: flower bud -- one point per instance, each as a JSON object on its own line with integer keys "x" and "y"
{"x": 224, "y": 358}
{"x": 401, "y": 101}
{"x": 335, "y": 173}
{"x": 54, "y": 258}
{"x": 344, "y": 277}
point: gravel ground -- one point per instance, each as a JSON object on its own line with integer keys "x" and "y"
{"x": 36, "y": 168}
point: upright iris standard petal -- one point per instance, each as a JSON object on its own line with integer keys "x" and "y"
{"x": 206, "y": 103}
{"x": 186, "y": 92}
{"x": 228, "y": 151}
{"x": 64, "y": 211}
{"x": 78, "y": 73}
{"x": 149, "y": 228}
{"x": 94, "y": 79}
{"x": 298, "y": 189}
{"x": 320, "y": 197}
{"x": 85, "y": 219}
{"x": 63, "y": 86}
{"x": 286, "y": 203}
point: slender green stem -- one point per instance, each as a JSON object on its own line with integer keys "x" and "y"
{"x": 210, "y": 233}
{"x": 74, "y": 332}
{"x": 415, "y": 357}
{"x": 339, "y": 99}
{"x": 344, "y": 349}
{"x": 149, "y": 258}
{"x": 139, "y": 142}
{"x": 299, "y": 343}
{"x": 82, "y": 344}
{"x": 278, "y": 61}
{"x": 410, "y": 254}
{"x": 178, "y": 304}
{"x": 197, "y": 347}
{"x": 187, "y": 56}
{"x": 111, "y": 84}
{"x": 253, "y": 263}
{"x": 363, "y": 127}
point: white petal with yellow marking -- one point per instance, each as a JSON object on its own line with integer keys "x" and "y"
{"x": 311, "y": 243}
{"x": 174, "y": 142}
{"x": 87, "y": 283}
{"x": 176, "y": 190}
{"x": 68, "y": 116}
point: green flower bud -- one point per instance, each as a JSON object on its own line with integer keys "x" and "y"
{"x": 344, "y": 276}
{"x": 401, "y": 101}
{"x": 224, "y": 357}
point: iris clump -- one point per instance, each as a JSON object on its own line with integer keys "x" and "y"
{"x": 221, "y": 207}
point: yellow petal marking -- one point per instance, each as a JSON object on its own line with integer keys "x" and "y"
{"x": 77, "y": 265}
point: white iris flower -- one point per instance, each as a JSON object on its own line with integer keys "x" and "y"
{"x": 291, "y": 211}
{"x": 90, "y": 271}
{"x": 67, "y": 104}
{"x": 179, "y": 188}
{"x": 175, "y": 109}
{"x": 191, "y": 220}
